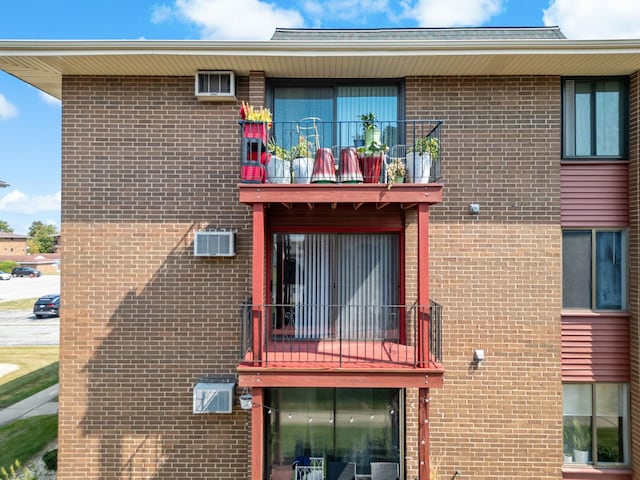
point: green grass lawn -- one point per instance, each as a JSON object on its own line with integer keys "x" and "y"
{"x": 21, "y": 304}
{"x": 37, "y": 370}
{"x": 23, "y": 439}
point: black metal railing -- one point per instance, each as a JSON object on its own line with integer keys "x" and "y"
{"x": 342, "y": 334}
{"x": 313, "y": 151}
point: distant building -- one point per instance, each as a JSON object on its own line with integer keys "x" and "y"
{"x": 13, "y": 244}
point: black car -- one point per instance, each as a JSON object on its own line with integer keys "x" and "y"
{"x": 49, "y": 305}
{"x": 25, "y": 272}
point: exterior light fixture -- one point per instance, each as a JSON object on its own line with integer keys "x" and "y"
{"x": 478, "y": 355}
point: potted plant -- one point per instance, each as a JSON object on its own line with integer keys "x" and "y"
{"x": 396, "y": 171}
{"x": 425, "y": 151}
{"x": 278, "y": 168}
{"x": 369, "y": 129}
{"x": 301, "y": 163}
{"x": 256, "y": 121}
{"x": 371, "y": 158}
{"x": 581, "y": 441}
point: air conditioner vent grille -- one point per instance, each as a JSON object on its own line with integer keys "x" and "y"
{"x": 213, "y": 397}
{"x": 214, "y": 244}
{"x": 215, "y": 85}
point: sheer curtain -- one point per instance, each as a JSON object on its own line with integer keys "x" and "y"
{"x": 345, "y": 285}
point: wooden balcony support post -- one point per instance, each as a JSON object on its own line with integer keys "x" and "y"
{"x": 423, "y": 434}
{"x": 423, "y": 285}
{"x": 257, "y": 433}
{"x": 258, "y": 280}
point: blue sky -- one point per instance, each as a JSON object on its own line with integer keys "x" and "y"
{"x": 30, "y": 121}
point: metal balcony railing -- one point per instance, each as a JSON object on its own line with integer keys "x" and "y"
{"x": 313, "y": 151}
{"x": 342, "y": 335}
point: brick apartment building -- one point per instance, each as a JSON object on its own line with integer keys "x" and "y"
{"x": 12, "y": 243}
{"x": 481, "y": 320}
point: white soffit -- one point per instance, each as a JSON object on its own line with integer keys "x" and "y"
{"x": 43, "y": 63}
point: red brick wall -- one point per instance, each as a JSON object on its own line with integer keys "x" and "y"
{"x": 497, "y": 275}
{"x": 144, "y": 166}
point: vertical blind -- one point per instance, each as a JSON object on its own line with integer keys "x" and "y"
{"x": 344, "y": 285}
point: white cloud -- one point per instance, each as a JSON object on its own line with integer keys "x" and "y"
{"x": 161, "y": 13}
{"x": 17, "y": 202}
{"x": 356, "y": 11}
{"x": 593, "y": 19}
{"x": 49, "y": 99}
{"x": 454, "y": 13}
{"x": 239, "y": 19}
{"x": 7, "y": 110}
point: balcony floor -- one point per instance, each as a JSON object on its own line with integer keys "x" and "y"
{"x": 333, "y": 364}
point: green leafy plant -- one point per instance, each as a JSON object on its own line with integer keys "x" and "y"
{"x": 50, "y": 460}
{"x": 580, "y": 436}
{"x": 395, "y": 169}
{"x": 302, "y": 149}
{"x": 429, "y": 145}
{"x": 368, "y": 121}
{"x": 278, "y": 151}
{"x": 17, "y": 472}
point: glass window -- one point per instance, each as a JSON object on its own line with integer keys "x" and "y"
{"x": 311, "y": 110}
{"x": 329, "y": 285}
{"x": 596, "y": 423}
{"x": 345, "y": 425}
{"x": 594, "y": 269}
{"x": 595, "y": 117}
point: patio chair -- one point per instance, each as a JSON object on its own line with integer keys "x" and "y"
{"x": 341, "y": 471}
{"x": 385, "y": 471}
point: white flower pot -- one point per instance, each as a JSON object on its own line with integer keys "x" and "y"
{"x": 278, "y": 170}
{"x": 302, "y": 168}
{"x": 581, "y": 456}
{"x": 418, "y": 167}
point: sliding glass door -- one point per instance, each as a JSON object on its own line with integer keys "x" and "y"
{"x": 339, "y": 426}
{"x": 331, "y": 285}
{"x": 330, "y": 115}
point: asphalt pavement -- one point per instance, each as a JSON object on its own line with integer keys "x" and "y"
{"x": 27, "y": 287}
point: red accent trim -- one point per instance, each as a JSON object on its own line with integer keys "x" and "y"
{"x": 423, "y": 434}
{"x": 340, "y": 377}
{"x": 569, "y": 473}
{"x": 596, "y": 347}
{"x": 379, "y": 194}
{"x": 402, "y": 293}
{"x": 258, "y": 277}
{"x": 594, "y": 194}
{"x": 257, "y": 434}
{"x": 423, "y": 283}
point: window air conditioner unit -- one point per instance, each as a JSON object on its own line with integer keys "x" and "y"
{"x": 214, "y": 244}
{"x": 215, "y": 86}
{"x": 213, "y": 397}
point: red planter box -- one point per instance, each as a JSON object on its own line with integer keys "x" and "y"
{"x": 256, "y": 130}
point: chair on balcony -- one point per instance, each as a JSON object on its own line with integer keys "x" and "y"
{"x": 313, "y": 471}
{"x": 341, "y": 471}
{"x": 385, "y": 471}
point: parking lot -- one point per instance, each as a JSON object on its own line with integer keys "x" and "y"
{"x": 20, "y": 327}
{"x": 26, "y": 287}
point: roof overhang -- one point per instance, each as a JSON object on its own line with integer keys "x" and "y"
{"x": 43, "y": 63}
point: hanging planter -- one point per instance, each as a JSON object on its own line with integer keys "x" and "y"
{"x": 246, "y": 401}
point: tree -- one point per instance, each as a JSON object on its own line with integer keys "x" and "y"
{"x": 42, "y": 237}
{"x": 4, "y": 227}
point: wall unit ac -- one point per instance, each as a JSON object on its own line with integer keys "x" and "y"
{"x": 213, "y": 397}
{"x": 214, "y": 244}
{"x": 211, "y": 86}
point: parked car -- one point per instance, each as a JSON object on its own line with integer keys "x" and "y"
{"x": 49, "y": 305}
{"x": 25, "y": 272}
{"x": 5, "y": 276}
